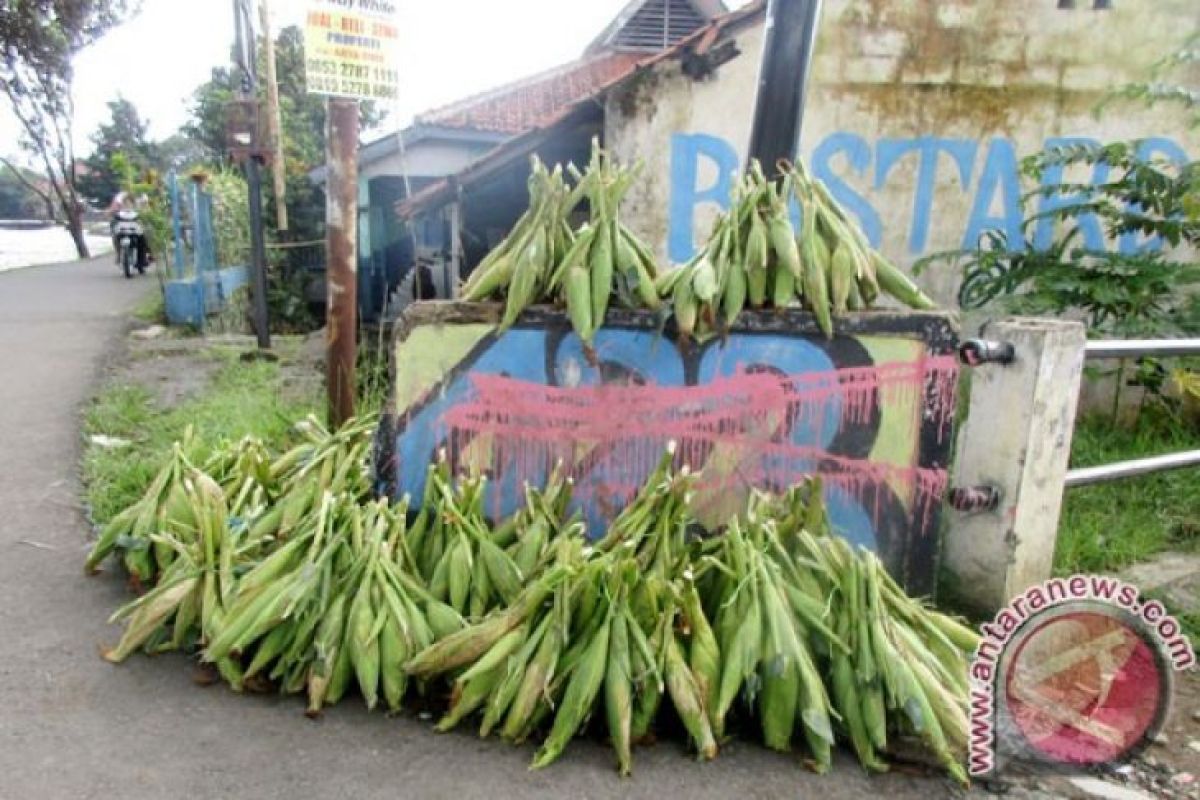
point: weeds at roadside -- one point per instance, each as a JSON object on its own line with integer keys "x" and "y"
{"x": 240, "y": 399}
{"x": 1110, "y": 526}
{"x": 1188, "y": 619}
{"x": 151, "y": 309}
{"x": 372, "y": 370}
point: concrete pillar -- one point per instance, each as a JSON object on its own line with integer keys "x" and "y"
{"x": 1017, "y": 437}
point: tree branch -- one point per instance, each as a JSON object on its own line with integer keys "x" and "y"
{"x": 30, "y": 130}
{"x": 32, "y": 119}
{"x": 28, "y": 184}
{"x": 53, "y": 98}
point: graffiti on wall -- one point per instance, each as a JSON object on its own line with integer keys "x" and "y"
{"x": 870, "y": 413}
{"x": 993, "y": 198}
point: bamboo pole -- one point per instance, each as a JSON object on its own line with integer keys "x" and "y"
{"x": 274, "y": 122}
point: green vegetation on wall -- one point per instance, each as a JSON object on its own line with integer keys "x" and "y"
{"x": 231, "y": 217}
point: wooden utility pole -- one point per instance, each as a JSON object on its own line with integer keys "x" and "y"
{"x": 345, "y": 68}
{"x": 341, "y": 231}
{"x": 274, "y": 122}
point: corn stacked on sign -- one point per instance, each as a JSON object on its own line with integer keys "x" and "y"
{"x": 350, "y": 48}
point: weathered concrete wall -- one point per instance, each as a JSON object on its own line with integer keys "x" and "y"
{"x": 870, "y": 411}
{"x": 189, "y": 301}
{"x": 917, "y": 115}
{"x": 691, "y": 137}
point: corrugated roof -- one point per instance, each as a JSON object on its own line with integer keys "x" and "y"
{"x": 522, "y": 144}
{"x": 530, "y": 102}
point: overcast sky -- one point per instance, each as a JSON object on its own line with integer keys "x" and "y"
{"x": 449, "y": 49}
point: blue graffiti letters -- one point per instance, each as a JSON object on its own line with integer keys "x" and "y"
{"x": 686, "y": 152}
{"x": 858, "y": 155}
{"x": 999, "y": 172}
{"x": 995, "y": 204}
{"x": 930, "y": 147}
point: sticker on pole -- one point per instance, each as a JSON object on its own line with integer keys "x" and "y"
{"x": 350, "y": 48}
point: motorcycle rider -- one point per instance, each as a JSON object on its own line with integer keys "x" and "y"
{"x": 125, "y": 202}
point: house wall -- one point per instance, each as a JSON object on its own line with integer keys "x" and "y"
{"x": 427, "y": 158}
{"x": 384, "y": 250}
{"x": 917, "y": 115}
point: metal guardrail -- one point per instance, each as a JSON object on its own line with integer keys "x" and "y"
{"x": 1129, "y": 469}
{"x": 1136, "y": 348}
{"x": 1139, "y": 348}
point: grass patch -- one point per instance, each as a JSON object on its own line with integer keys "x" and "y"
{"x": 1188, "y": 618}
{"x": 372, "y": 374}
{"x": 241, "y": 399}
{"x": 151, "y": 309}
{"x": 1189, "y": 622}
{"x": 1109, "y": 526}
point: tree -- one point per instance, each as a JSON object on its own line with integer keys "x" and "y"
{"x": 38, "y": 40}
{"x": 125, "y": 134}
{"x": 303, "y": 127}
{"x": 17, "y": 200}
{"x": 179, "y": 151}
{"x": 1137, "y": 281}
{"x": 209, "y": 102}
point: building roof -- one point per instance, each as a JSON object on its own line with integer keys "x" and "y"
{"x": 534, "y": 101}
{"x": 516, "y": 107}
{"x": 526, "y": 142}
{"x": 656, "y": 24}
{"x": 528, "y": 103}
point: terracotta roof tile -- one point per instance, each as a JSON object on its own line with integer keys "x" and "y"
{"x": 619, "y": 66}
{"x": 531, "y": 102}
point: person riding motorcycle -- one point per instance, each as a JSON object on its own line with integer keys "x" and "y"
{"x": 125, "y": 202}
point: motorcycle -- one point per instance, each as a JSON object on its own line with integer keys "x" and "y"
{"x": 130, "y": 241}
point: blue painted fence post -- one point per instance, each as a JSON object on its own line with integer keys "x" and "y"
{"x": 176, "y": 223}
{"x": 204, "y": 249}
{"x": 206, "y": 255}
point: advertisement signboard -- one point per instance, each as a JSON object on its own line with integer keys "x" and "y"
{"x": 350, "y": 48}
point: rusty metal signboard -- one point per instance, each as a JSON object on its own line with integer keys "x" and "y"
{"x": 350, "y": 48}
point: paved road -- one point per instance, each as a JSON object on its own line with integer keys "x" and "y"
{"x": 73, "y": 726}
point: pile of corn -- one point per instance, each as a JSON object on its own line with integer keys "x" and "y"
{"x": 284, "y": 574}
{"x": 755, "y": 256}
{"x": 544, "y": 258}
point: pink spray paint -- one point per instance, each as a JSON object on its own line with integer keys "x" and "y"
{"x": 614, "y": 434}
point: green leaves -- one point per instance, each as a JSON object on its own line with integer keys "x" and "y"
{"x": 1120, "y": 291}
{"x": 122, "y": 156}
{"x": 1159, "y": 89}
{"x": 1123, "y": 289}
